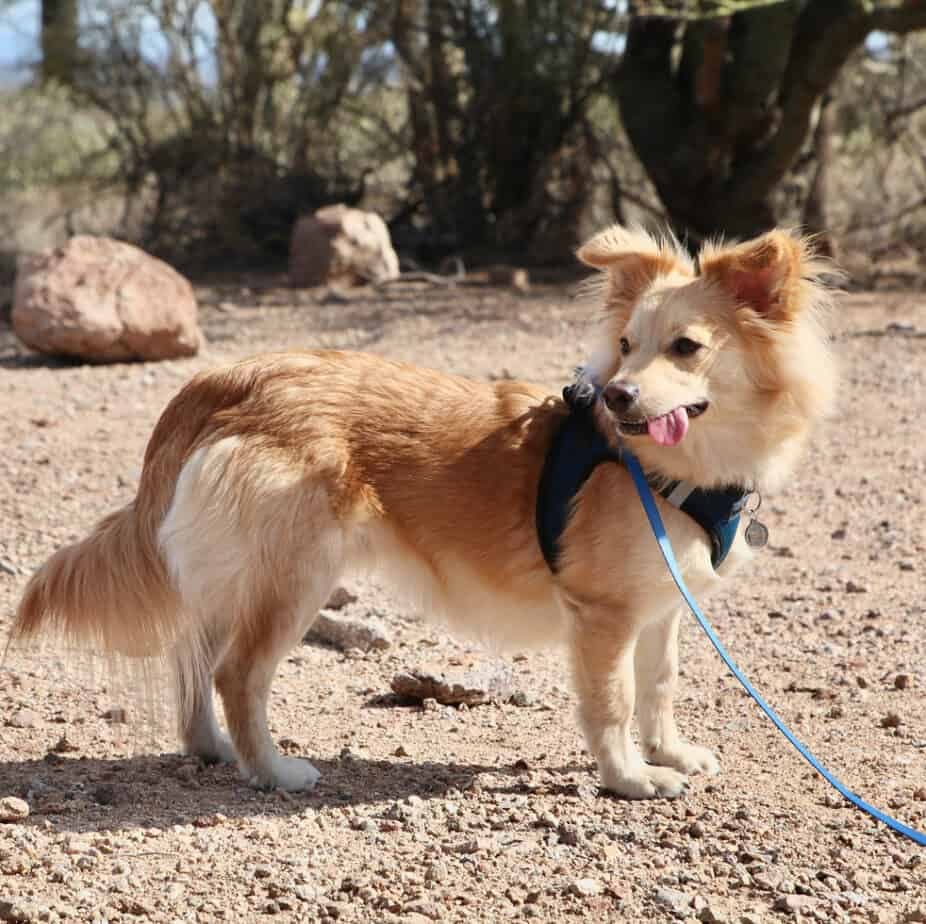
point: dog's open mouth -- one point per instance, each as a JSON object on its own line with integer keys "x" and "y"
{"x": 667, "y": 429}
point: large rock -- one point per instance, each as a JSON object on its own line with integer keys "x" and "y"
{"x": 104, "y": 300}
{"x": 341, "y": 245}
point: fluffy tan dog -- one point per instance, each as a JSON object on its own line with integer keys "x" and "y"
{"x": 264, "y": 481}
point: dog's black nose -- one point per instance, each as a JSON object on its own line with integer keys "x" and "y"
{"x": 620, "y": 396}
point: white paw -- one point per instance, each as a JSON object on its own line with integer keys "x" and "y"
{"x": 647, "y": 783}
{"x": 217, "y": 749}
{"x": 684, "y": 757}
{"x": 291, "y": 774}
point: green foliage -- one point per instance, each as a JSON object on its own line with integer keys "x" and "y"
{"x": 230, "y": 118}
{"x": 46, "y": 141}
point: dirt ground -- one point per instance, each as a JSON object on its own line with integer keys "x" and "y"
{"x": 491, "y": 813}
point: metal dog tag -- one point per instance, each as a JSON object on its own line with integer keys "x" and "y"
{"x": 756, "y": 534}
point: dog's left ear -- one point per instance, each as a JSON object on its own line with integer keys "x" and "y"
{"x": 764, "y": 274}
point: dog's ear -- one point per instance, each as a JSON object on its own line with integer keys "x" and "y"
{"x": 632, "y": 259}
{"x": 765, "y": 274}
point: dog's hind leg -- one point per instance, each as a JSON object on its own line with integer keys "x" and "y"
{"x": 243, "y": 680}
{"x": 194, "y": 662}
{"x": 603, "y": 657}
{"x": 656, "y": 668}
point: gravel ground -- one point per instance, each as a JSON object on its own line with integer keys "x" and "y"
{"x": 436, "y": 813}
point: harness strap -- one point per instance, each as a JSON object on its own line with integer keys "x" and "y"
{"x": 652, "y": 513}
{"x": 578, "y": 449}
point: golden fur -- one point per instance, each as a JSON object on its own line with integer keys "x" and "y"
{"x": 265, "y": 480}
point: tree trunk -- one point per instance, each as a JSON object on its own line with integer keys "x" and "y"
{"x": 59, "y": 40}
{"x": 816, "y": 219}
{"x": 718, "y": 125}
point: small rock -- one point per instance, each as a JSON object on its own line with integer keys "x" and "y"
{"x": 23, "y": 718}
{"x": 915, "y": 915}
{"x": 675, "y": 901}
{"x": 891, "y": 720}
{"x": 794, "y": 904}
{"x": 7, "y": 567}
{"x": 400, "y": 752}
{"x": 63, "y": 746}
{"x": 585, "y": 888}
{"x": 853, "y": 588}
{"x": 711, "y": 915}
{"x": 901, "y": 681}
{"x": 13, "y": 808}
{"x": 15, "y": 912}
{"x": 767, "y": 879}
{"x": 696, "y": 829}
{"x": 473, "y": 687}
{"x": 116, "y": 715}
{"x": 569, "y": 834}
{"x": 339, "y": 599}
{"x": 345, "y": 634}
{"x": 514, "y": 276}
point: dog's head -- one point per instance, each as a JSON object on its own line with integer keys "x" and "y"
{"x": 715, "y": 375}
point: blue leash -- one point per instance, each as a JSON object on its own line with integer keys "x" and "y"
{"x": 652, "y": 513}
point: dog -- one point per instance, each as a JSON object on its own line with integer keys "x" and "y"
{"x": 265, "y": 480}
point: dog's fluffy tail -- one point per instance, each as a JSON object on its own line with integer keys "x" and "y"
{"x": 108, "y": 592}
{"x": 111, "y": 591}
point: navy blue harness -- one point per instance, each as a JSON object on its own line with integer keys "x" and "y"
{"x": 578, "y": 449}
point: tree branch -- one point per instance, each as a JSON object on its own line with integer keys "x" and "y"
{"x": 825, "y": 35}
{"x": 656, "y": 128}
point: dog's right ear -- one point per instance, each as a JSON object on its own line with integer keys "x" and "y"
{"x": 633, "y": 260}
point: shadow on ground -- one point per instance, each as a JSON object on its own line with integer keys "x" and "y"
{"x": 159, "y": 791}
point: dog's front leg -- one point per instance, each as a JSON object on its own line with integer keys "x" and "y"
{"x": 603, "y": 654}
{"x": 656, "y": 667}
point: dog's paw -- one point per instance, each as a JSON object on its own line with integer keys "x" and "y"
{"x": 291, "y": 774}
{"x": 216, "y": 750}
{"x": 648, "y": 783}
{"x": 684, "y": 757}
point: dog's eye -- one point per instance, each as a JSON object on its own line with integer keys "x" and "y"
{"x": 625, "y": 346}
{"x": 685, "y": 346}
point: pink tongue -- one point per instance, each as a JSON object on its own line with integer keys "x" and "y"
{"x": 670, "y": 429}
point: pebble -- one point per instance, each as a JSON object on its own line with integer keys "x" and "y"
{"x": 901, "y": 681}
{"x": 474, "y": 687}
{"x": 340, "y": 598}
{"x": 794, "y": 904}
{"x": 677, "y": 902}
{"x": 23, "y": 718}
{"x": 585, "y": 888}
{"x": 7, "y": 567}
{"x": 891, "y": 720}
{"x": 368, "y": 634}
{"x": 711, "y": 915}
{"x": 14, "y": 911}
{"x": 12, "y": 808}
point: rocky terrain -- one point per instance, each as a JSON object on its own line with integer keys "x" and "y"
{"x": 488, "y": 811}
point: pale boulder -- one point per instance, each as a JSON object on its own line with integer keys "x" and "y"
{"x": 104, "y": 301}
{"x": 343, "y": 246}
